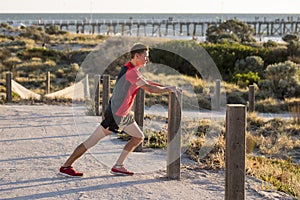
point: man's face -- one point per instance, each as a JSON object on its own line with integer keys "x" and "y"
{"x": 142, "y": 58}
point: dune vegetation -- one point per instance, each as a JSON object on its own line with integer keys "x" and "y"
{"x": 273, "y": 145}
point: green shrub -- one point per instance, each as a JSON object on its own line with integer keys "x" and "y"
{"x": 5, "y": 25}
{"x": 50, "y": 63}
{"x": 233, "y": 30}
{"x": 293, "y": 48}
{"x": 54, "y": 30}
{"x": 228, "y": 38}
{"x": 290, "y": 37}
{"x": 265, "y": 89}
{"x": 168, "y": 58}
{"x": 35, "y": 33}
{"x": 274, "y": 55}
{"x": 77, "y": 56}
{"x": 42, "y": 53}
{"x": 60, "y": 73}
{"x": 285, "y": 79}
{"x": 270, "y": 44}
{"x": 225, "y": 56}
{"x": 250, "y": 64}
{"x": 74, "y": 67}
{"x": 245, "y": 79}
{"x": 4, "y": 54}
{"x": 235, "y": 98}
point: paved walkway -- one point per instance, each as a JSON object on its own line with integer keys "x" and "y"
{"x": 36, "y": 140}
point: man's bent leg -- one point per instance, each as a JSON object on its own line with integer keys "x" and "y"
{"x": 137, "y": 138}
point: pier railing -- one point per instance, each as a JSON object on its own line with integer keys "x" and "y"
{"x": 188, "y": 27}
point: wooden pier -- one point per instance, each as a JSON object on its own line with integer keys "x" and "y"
{"x": 161, "y": 28}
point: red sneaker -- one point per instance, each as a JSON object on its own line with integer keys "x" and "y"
{"x": 69, "y": 171}
{"x": 120, "y": 170}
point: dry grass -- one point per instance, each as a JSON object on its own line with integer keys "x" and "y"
{"x": 294, "y": 109}
{"x": 270, "y": 146}
{"x": 282, "y": 174}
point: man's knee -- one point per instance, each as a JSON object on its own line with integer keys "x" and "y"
{"x": 138, "y": 140}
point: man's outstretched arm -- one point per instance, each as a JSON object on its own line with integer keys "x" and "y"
{"x": 158, "y": 89}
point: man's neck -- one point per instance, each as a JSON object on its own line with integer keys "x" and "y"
{"x": 134, "y": 63}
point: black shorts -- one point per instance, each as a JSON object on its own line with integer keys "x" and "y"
{"x": 114, "y": 122}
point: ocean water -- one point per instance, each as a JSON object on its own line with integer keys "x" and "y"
{"x": 140, "y": 16}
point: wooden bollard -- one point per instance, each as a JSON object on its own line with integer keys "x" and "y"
{"x": 174, "y": 30}
{"x": 8, "y": 87}
{"x": 174, "y": 137}
{"x": 194, "y": 31}
{"x": 251, "y": 98}
{"x": 139, "y": 113}
{"x": 105, "y": 92}
{"x": 188, "y": 29}
{"x": 235, "y": 152}
{"x": 48, "y": 83}
{"x": 97, "y": 93}
{"x": 86, "y": 88}
{"x": 218, "y": 94}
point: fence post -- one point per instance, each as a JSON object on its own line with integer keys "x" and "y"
{"x": 251, "y": 98}
{"x": 48, "y": 83}
{"x": 174, "y": 136}
{"x": 8, "y": 87}
{"x": 218, "y": 94}
{"x": 86, "y": 88}
{"x": 139, "y": 113}
{"x": 235, "y": 152}
{"x": 105, "y": 92}
{"x": 97, "y": 93}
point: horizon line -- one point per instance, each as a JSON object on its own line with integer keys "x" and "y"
{"x": 276, "y": 13}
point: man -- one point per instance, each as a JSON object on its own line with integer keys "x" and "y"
{"x": 117, "y": 114}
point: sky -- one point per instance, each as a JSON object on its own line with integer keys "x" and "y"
{"x": 150, "y": 6}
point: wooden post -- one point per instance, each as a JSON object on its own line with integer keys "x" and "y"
{"x": 174, "y": 30}
{"x": 180, "y": 29}
{"x": 97, "y": 93}
{"x": 86, "y": 88}
{"x": 251, "y": 98}
{"x": 122, "y": 29}
{"x": 138, "y": 29}
{"x": 194, "y": 31}
{"x": 153, "y": 30}
{"x": 48, "y": 83}
{"x": 167, "y": 28}
{"x": 145, "y": 30}
{"x": 188, "y": 29}
{"x": 105, "y": 92}
{"x": 139, "y": 113}
{"x": 217, "y": 94}
{"x": 235, "y": 152}
{"x": 114, "y": 29}
{"x": 159, "y": 30}
{"x": 174, "y": 137}
{"x": 8, "y": 87}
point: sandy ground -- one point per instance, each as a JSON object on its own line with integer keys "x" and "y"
{"x": 35, "y": 140}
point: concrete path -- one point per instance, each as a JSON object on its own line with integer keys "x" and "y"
{"x": 35, "y": 140}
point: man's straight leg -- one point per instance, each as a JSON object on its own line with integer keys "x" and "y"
{"x": 97, "y": 135}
